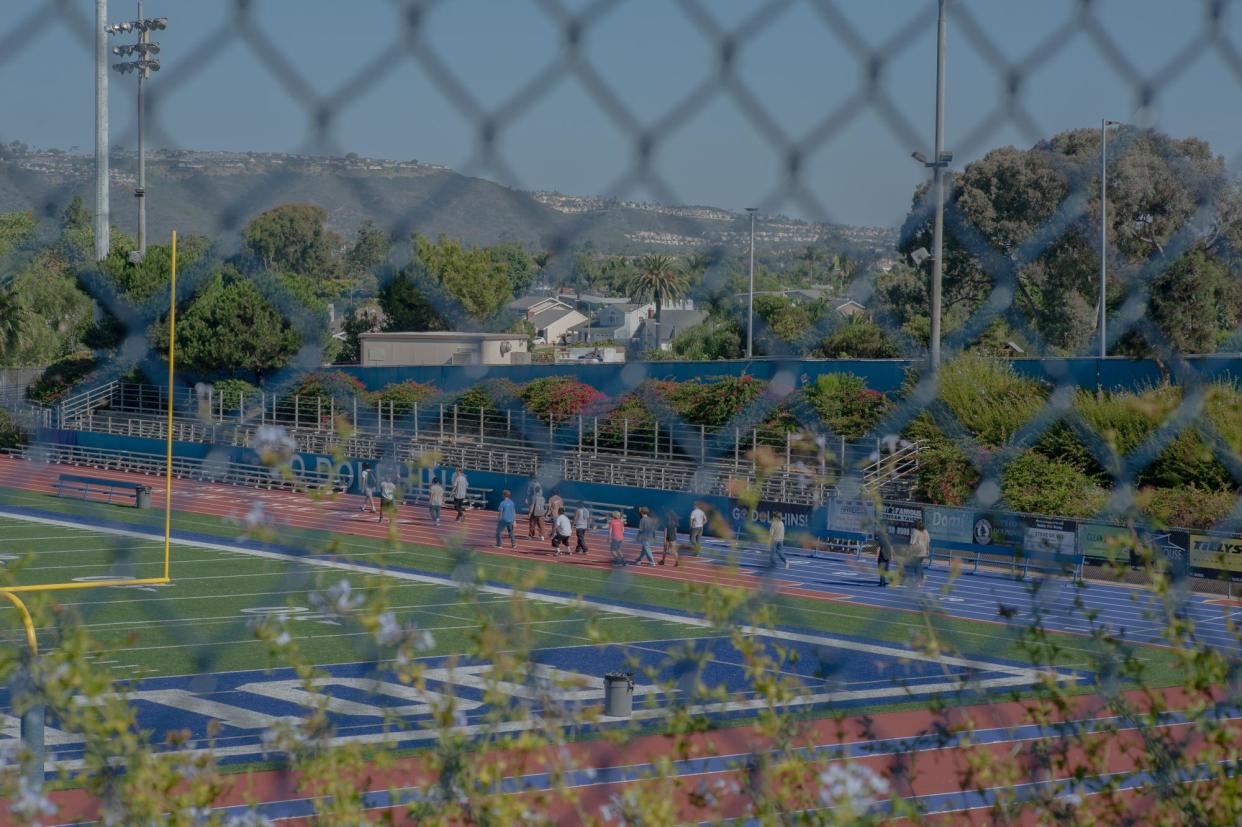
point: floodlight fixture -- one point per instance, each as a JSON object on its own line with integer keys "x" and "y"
{"x": 920, "y": 157}
{"x": 919, "y": 256}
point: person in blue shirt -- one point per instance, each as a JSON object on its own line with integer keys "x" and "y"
{"x": 508, "y": 514}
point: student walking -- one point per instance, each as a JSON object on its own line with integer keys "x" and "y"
{"x": 388, "y": 501}
{"x": 616, "y": 536}
{"x": 582, "y": 524}
{"x": 698, "y": 521}
{"x": 920, "y": 551}
{"x": 534, "y": 515}
{"x": 883, "y": 561}
{"x": 366, "y": 484}
{"x": 534, "y": 488}
{"x": 506, "y": 517}
{"x": 435, "y": 500}
{"x": 776, "y": 542}
{"x": 461, "y": 489}
{"x": 670, "y": 538}
{"x": 562, "y": 529}
{"x": 647, "y": 528}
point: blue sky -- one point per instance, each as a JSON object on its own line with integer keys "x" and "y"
{"x": 219, "y": 88}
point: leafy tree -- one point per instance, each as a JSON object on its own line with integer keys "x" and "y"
{"x": 138, "y": 282}
{"x": 16, "y": 228}
{"x": 353, "y": 327}
{"x": 13, "y": 323}
{"x": 710, "y": 341}
{"x": 471, "y": 277}
{"x": 230, "y": 327}
{"x": 1196, "y": 301}
{"x": 520, "y": 266}
{"x": 52, "y": 313}
{"x": 369, "y": 250}
{"x": 406, "y": 304}
{"x": 294, "y": 238}
{"x": 859, "y": 338}
{"x": 1011, "y": 205}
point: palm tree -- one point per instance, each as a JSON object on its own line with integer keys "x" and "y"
{"x": 658, "y": 281}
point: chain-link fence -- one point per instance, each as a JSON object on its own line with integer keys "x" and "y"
{"x": 416, "y": 658}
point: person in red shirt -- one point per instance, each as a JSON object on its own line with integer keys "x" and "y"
{"x": 616, "y": 536}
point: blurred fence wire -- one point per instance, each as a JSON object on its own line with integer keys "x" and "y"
{"x": 975, "y": 436}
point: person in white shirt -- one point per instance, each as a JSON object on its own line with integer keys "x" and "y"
{"x": 920, "y": 550}
{"x": 366, "y": 484}
{"x": 698, "y": 521}
{"x": 564, "y": 530}
{"x": 388, "y": 500}
{"x": 435, "y": 500}
{"x": 776, "y": 542}
{"x": 461, "y": 488}
{"x": 582, "y": 523}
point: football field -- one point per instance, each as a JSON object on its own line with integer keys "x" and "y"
{"x": 190, "y": 661}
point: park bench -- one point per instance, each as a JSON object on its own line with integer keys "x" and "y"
{"x": 83, "y": 487}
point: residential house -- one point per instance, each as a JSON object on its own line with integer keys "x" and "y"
{"x": 849, "y": 307}
{"x": 652, "y": 336}
{"x": 555, "y": 322}
{"x": 617, "y": 322}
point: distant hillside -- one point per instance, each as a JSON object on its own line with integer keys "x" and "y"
{"x": 215, "y": 193}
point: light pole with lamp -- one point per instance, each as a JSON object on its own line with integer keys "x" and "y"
{"x": 1103, "y": 317}
{"x": 940, "y": 160}
{"x": 144, "y": 65}
{"x": 750, "y": 296}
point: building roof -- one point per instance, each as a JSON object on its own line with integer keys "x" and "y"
{"x": 674, "y": 322}
{"x": 449, "y": 335}
{"x": 553, "y": 315}
{"x": 525, "y": 302}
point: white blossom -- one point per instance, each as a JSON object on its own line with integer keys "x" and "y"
{"x": 852, "y": 785}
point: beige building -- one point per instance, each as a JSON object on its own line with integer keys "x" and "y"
{"x": 443, "y": 348}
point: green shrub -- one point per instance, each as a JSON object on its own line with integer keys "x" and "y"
{"x": 1188, "y": 462}
{"x": 1126, "y": 420}
{"x": 989, "y": 398}
{"x": 233, "y": 391}
{"x": 1037, "y": 484}
{"x": 946, "y": 476}
{"x": 60, "y": 378}
{"x": 559, "y": 398}
{"x": 1188, "y": 507}
{"x": 401, "y": 397}
{"x": 846, "y": 405}
{"x": 1223, "y": 410}
{"x": 333, "y": 384}
{"x": 11, "y": 436}
{"x": 714, "y": 403}
{"x": 489, "y": 395}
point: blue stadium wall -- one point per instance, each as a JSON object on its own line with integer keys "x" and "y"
{"x": 881, "y": 374}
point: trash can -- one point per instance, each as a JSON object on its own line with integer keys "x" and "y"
{"x": 618, "y": 694}
{"x": 143, "y": 500}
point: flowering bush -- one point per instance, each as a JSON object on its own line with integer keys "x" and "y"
{"x": 558, "y": 398}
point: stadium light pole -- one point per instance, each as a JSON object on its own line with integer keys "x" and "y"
{"x": 1103, "y": 319}
{"x": 939, "y": 161}
{"x": 101, "y": 130}
{"x": 144, "y": 66}
{"x": 750, "y": 296}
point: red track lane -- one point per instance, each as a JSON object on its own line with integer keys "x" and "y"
{"x": 340, "y": 515}
{"x": 932, "y": 770}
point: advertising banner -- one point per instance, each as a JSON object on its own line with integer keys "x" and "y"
{"x": 857, "y": 516}
{"x": 1174, "y": 547}
{"x": 1214, "y": 553}
{"x": 998, "y": 528}
{"x": 898, "y": 520}
{"x": 797, "y": 517}
{"x": 1103, "y": 543}
{"x": 1050, "y": 535}
{"x": 952, "y": 525}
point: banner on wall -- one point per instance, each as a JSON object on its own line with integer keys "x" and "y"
{"x": 1213, "y": 553}
{"x": 855, "y": 516}
{"x": 1105, "y": 543}
{"x": 797, "y": 517}
{"x": 952, "y": 525}
{"x": 1050, "y": 535}
{"x": 998, "y": 528}
{"x": 898, "y": 520}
